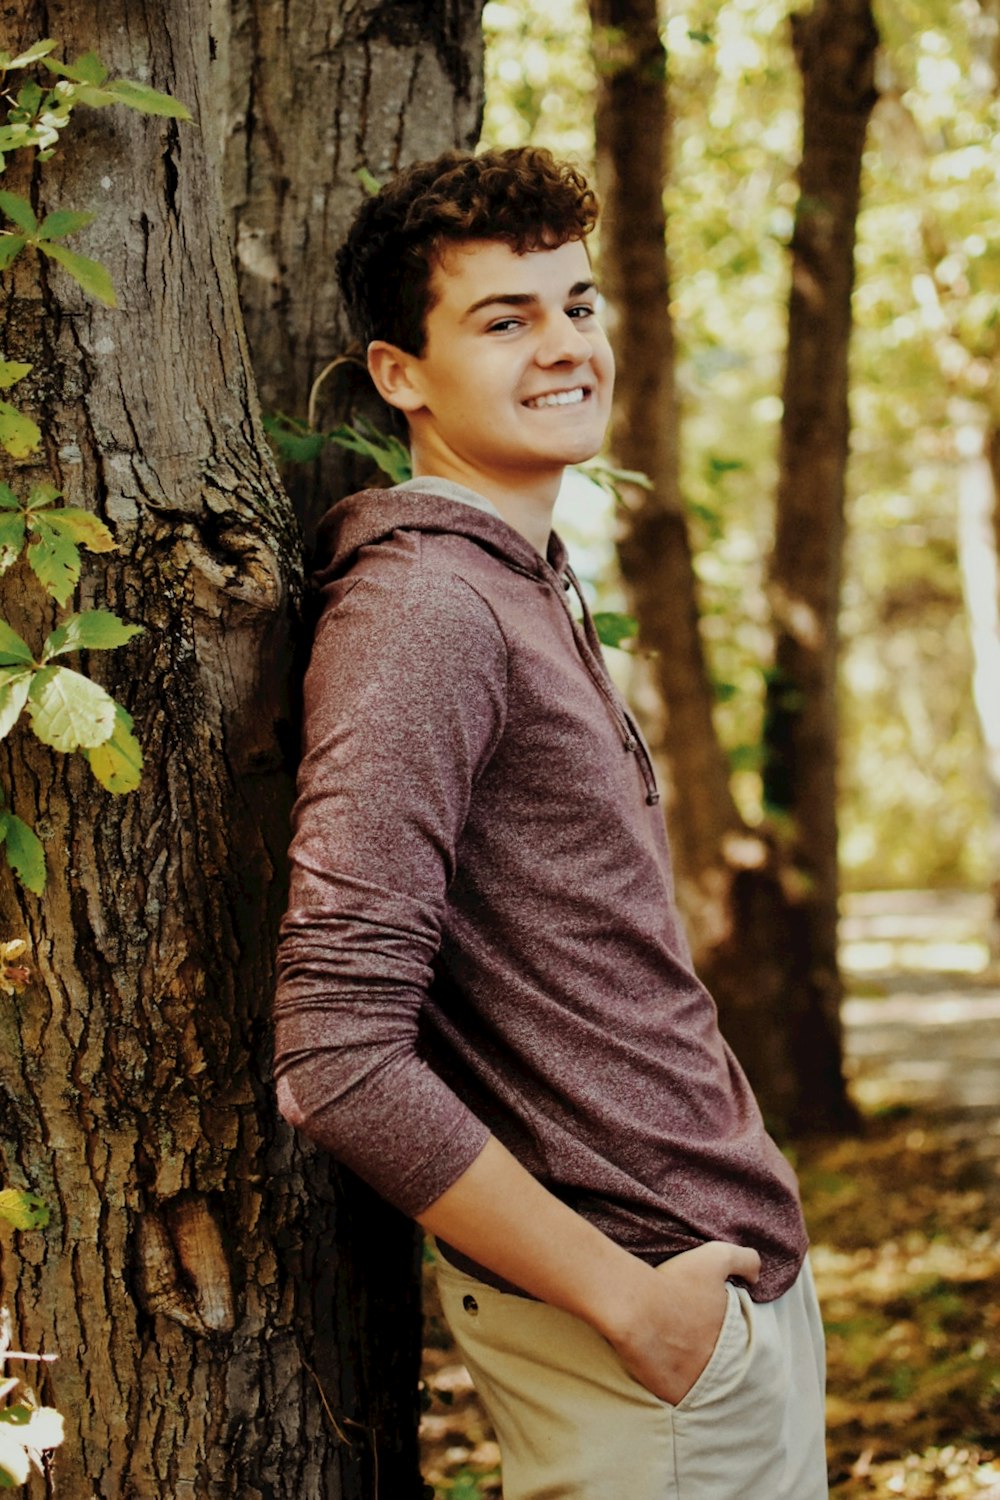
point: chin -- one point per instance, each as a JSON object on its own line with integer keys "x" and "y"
{"x": 580, "y": 452}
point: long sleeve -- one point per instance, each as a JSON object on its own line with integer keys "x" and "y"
{"x": 404, "y": 703}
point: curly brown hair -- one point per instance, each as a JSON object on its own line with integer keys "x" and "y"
{"x": 522, "y": 196}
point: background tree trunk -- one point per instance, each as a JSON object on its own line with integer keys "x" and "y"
{"x": 316, "y": 90}
{"x": 189, "y": 1278}
{"x": 739, "y": 893}
{"x": 835, "y": 45}
{"x": 654, "y": 549}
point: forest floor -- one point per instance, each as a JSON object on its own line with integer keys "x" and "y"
{"x": 904, "y": 1220}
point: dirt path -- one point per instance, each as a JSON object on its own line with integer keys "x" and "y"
{"x": 922, "y": 1021}
{"x": 905, "y": 1220}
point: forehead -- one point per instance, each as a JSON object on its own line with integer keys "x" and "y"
{"x": 469, "y": 270}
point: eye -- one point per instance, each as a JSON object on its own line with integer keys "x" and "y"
{"x": 581, "y": 311}
{"x": 503, "y": 325}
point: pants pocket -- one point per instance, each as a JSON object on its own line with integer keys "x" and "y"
{"x": 728, "y": 1360}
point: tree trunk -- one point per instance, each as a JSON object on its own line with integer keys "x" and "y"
{"x": 654, "y": 549}
{"x": 742, "y": 904}
{"x": 315, "y": 91}
{"x": 188, "y": 1280}
{"x": 835, "y": 45}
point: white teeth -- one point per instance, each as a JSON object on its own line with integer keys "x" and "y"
{"x": 559, "y": 398}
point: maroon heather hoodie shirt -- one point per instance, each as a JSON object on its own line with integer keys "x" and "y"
{"x": 482, "y": 935}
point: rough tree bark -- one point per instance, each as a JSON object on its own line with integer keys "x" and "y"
{"x": 735, "y": 884}
{"x": 188, "y": 1279}
{"x": 313, "y": 91}
{"x": 317, "y": 90}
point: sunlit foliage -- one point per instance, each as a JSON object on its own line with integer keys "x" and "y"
{"x": 540, "y": 77}
{"x": 925, "y": 358}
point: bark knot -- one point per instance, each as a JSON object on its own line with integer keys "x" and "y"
{"x": 183, "y": 1267}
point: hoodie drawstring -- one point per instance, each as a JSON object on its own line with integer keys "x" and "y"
{"x": 594, "y": 662}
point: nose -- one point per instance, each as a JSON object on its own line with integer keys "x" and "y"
{"x": 562, "y": 342}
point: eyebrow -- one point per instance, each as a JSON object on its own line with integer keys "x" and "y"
{"x": 524, "y": 299}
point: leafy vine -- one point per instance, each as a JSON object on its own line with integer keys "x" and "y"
{"x": 66, "y": 709}
{"x": 42, "y": 540}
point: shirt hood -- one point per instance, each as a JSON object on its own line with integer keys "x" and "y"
{"x": 370, "y": 516}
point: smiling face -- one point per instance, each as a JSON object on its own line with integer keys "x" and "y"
{"x": 516, "y": 376}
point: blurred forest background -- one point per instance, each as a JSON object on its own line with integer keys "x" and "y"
{"x": 905, "y": 1210}
{"x": 917, "y": 804}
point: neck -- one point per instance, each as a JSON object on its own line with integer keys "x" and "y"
{"x": 527, "y": 507}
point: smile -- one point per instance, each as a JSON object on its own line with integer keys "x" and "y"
{"x": 558, "y": 398}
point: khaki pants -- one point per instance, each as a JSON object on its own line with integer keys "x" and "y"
{"x": 572, "y": 1424}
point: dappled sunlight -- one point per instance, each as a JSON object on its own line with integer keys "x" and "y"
{"x": 906, "y": 1252}
{"x": 922, "y": 1017}
{"x": 905, "y": 1222}
{"x": 884, "y": 955}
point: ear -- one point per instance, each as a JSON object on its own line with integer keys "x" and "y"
{"x": 394, "y": 374}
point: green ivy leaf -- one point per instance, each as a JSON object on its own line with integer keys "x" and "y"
{"x": 20, "y": 211}
{"x": 62, "y": 222}
{"x": 392, "y": 457}
{"x": 293, "y": 441}
{"x": 368, "y": 181}
{"x": 148, "y": 101}
{"x": 92, "y": 630}
{"x": 8, "y": 500}
{"x": 17, "y": 134}
{"x": 14, "y": 652}
{"x": 117, "y": 763}
{"x": 14, "y": 685}
{"x": 11, "y": 245}
{"x": 85, "y": 93}
{"x": 612, "y": 629}
{"x": 18, "y": 433}
{"x": 90, "y": 69}
{"x": 16, "y": 1416}
{"x": 29, "y": 98}
{"x": 11, "y": 371}
{"x": 87, "y": 69}
{"x": 9, "y": 1481}
{"x": 69, "y": 711}
{"x": 42, "y": 494}
{"x": 82, "y": 527}
{"x": 62, "y": 69}
{"x": 54, "y": 558}
{"x": 91, "y": 274}
{"x": 25, "y": 854}
{"x": 24, "y": 1211}
{"x": 34, "y": 53}
{"x": 11, "y": 536}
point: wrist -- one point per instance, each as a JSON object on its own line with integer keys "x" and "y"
{"x": 621, "y": 1306}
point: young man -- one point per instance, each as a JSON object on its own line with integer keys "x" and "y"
{"x": 486, "y": 1003}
